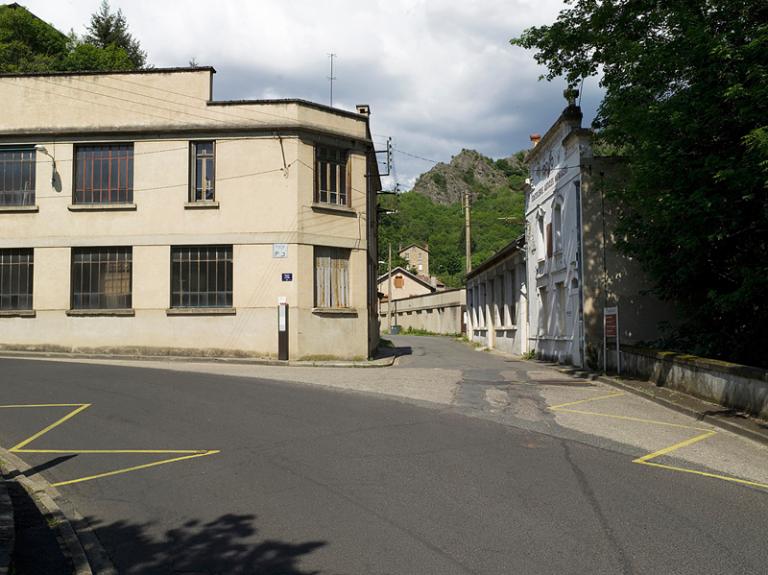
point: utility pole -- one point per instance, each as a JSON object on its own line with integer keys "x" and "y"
{"x": 468, "y": 232}
{"x": 331, "y": 78}
{"x": 389, "y": 290}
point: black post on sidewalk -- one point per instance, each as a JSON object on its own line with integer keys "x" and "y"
{"x": 282, "y": 331}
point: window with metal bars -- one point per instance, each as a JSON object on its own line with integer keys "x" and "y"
{"x": 203, "y": 170}
{"x": 16, "y": 267}
{"x": 104, "y": 174}
{"x": 331, "y": 277}
{"x": 17, "y": 175}
{"x": 101, "y": 278}
{"x": 331, "y": 177}
{"x": 201, "y": 276}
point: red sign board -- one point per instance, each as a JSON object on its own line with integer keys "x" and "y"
{"x": 610, "y": 326}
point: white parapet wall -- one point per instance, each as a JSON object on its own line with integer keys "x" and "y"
{"x": 440, "y": 312}
{"x": 735, "y": 386}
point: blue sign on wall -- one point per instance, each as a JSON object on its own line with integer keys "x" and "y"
{"x": 287, "y": 277}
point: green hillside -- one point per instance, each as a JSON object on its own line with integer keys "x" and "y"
{"x": 432, "y": 212}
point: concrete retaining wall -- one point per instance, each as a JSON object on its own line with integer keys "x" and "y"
{"x": 735, "y": 386}
{"x": 440, "y": 312}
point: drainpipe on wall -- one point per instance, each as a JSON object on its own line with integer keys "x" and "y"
{"x": 580, "y": 252}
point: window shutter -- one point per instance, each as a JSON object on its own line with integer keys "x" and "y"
{"x": 316, "y": 178}
{"x": 322, "y": 278}
{"x": 348, "y": 183}
{"x": 549, "y": 240}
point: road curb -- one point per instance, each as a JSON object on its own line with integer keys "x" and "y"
{"x": 379, "y": 362}
{"x": 77, "y": 540}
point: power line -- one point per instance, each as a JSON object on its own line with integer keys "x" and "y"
{"x": 415, "y": 156}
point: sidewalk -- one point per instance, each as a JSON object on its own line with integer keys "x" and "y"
{"x": 712, "y": 413}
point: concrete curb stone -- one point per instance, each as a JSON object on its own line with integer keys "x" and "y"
{"x": 72, "y": 531}
{"x": 379, "y": 362}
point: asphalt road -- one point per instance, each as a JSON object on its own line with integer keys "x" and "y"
{"x": 314, "y": 480}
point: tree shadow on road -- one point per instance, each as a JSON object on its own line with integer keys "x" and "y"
{"x": 225, "y": 545}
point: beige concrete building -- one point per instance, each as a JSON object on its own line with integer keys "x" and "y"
{"x": 404, "y": 284}
{"x": 137, "y": 214}
{"x": 418, "y": 259}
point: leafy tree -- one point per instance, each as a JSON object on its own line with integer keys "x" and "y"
{"x": 27, "y": 44}
{"x": 108, "y": 28}
{"x": 84, "y": 56}
{"x": 686, "y": 100}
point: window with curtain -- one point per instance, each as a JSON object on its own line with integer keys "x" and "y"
{"x": 101, "y": 278}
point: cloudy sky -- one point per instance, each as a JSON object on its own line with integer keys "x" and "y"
{"x": 439, "y": 75}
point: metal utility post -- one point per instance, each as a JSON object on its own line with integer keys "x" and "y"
{"x": 389, "y": 290}
{"x": 331, "y": 78}
{"x": 468, "y": 232}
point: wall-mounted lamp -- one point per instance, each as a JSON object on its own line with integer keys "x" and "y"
{"x": 43, "y": 150}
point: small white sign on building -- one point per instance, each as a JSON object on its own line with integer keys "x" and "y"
{"x": 279, "y": 250}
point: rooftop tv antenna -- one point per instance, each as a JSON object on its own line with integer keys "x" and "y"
{"x": 331, "y": 78}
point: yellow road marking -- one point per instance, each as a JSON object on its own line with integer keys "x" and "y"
{"x": 646, "y": 459}
{"x": 638, "y": 419}
{"x": 705, "y": 474}
{"x": 39, "y": 434}
{"x": 100, "y": 451}
{"x": 134, "y": 468}
{"x": 80, "y": 407}
{"x": 610, "y": 395}
{"x": 43, "y": 405}
{"x": 675, "y": 447}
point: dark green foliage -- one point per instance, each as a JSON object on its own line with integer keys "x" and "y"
{"x": 27, "y": 44}
{"x": 687, "y": 104}
{"x": 497, "y": 219}
{"x": 84, "y": 56}
{"x": 108, "y": 29}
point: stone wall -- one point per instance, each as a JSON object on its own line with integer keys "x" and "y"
{"x": 440, "y": 312}
{"x": 735, "y": 386}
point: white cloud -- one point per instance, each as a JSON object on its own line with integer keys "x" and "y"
{"x": 439, "y": 75}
